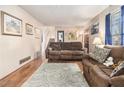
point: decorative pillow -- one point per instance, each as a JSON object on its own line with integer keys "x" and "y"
{"x": 100, "y": 54}
{"x": 119, "y": 70}
{"x": 109, "y": 62}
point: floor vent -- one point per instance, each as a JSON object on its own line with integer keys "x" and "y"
{"x": 24, "y": 59}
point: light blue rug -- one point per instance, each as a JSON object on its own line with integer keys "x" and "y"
{"x": 57, "y": 75}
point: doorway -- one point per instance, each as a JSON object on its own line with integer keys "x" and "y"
{"x": 60, "y": 36}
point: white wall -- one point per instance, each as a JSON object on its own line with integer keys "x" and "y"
{"x": 14, "y": 48}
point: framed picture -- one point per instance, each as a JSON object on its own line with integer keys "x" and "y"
{"x": 72, "y": 36}
{"x": 95, "y": 28}
{"x": 37, "y": 33}
{"x": 11, "y": 25}
{"x": 29, "y": 29}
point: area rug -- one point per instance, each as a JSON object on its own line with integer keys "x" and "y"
{"x": 57, "y": 75}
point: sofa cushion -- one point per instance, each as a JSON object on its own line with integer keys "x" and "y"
{"x": 66, "y": 46}
{"x": 106, "y": 70}
{"x": 100, "y": 54}
{"x": 71, "y": 52}
{"x": 71, "y": 46}
{"x": 70, "y": 57}
{"x": 76, "y": 46}
{"x": 55, "y": 45}
{"x": 54, "y": 52}
{"x": 51, "y": 57}
{"x": 119, "y": 70}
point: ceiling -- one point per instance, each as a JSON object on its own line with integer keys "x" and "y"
{"x": 64, "y": 15}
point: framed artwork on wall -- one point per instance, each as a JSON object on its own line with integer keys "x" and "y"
{"x": 72, "y": 36}
{"x": 29, "y": 29}
{"x": 37, "y": 33}
{"x": 11, "y": 25}
{"x": 95, "y": 28}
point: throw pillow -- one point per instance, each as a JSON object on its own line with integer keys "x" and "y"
{"x": 109, "y": 62}
{"x": 100, "y": 54}
{"x": 119, "y": 70}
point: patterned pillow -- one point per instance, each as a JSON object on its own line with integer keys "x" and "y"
{"x": 100, "y": 54}
{"x": 118, "y": 70}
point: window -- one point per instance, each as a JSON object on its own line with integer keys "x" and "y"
{"x": 116, "y": 28}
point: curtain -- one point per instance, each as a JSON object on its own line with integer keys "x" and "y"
{"x": 122, "y": 25}
{"x": 108, "y": 36}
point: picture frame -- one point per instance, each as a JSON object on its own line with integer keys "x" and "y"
{"x": 72, "y": 36}
{"x": 10, "y": 25}
{"x": 95, "y": 28}
{"x": 29, "y": 29}
{"x": 37, "y": 33}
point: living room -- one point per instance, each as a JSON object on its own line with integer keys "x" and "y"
{"x": 61, "y": 46}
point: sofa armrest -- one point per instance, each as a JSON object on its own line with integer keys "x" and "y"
{"x": 84, "y": 49}
{"x": 86, "y": 56}
{"x": 100, "y": 79}
{"x": 117, "y": 81}
{"x": 47, "y": 52}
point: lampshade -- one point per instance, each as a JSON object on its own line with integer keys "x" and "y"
{"x": 97, "y": 41}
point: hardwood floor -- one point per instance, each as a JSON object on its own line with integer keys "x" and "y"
{"x": 18, "y": 77}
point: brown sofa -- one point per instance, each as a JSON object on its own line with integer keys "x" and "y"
{"x": 64, "y": 51}
{"x": 97, "y": 74}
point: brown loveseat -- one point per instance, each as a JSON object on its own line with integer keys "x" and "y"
{"x": 64, "y": 51}
{"x": 97, "y": 74}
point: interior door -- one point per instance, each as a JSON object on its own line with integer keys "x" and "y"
{"x": 60, "y": 36}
